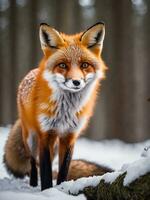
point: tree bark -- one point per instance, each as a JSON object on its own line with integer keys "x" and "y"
{"x": 137, "y": 190}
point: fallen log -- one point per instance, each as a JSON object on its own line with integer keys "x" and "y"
{"x": 137, "y": 190}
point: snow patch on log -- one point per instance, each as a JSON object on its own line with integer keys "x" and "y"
{"x": 136, "y": 169}
{"x": 111, "y": 177}
{"x": 74, "y": 187}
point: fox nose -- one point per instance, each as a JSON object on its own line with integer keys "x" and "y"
{"x": 76, "y": 82}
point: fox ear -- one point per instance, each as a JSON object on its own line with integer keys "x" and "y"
{"x": 93, "y": 37}
{"x": 50, "y": 38}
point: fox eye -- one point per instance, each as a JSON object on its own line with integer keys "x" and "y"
{"x": 62, "y": 65}
{"x": 85, "y": 65}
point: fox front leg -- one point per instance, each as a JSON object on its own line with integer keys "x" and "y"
{"x": 45, "y": 167}
{"x": 46, "y": 155}
{"x": 66, "y": 146}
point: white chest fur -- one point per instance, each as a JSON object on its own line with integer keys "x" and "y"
{"x": 65, "y": 119}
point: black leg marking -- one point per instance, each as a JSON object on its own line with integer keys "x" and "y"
{"x": 45, "y": 169}
{"x": 63, "y": 171}
{"x": 33, "y": 175}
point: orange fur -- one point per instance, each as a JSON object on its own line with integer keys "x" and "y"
{"x": 73, "y": 57}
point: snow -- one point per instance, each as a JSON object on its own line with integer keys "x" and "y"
{"x": 146, "y": 152}
{"x": 111, "y": 177}
{"x": 52, "y": 193}
{"x": 3, "y": 137}
{"x": 137, "y": 169}
{"x": 111, "y": 153}
{"x": 74, "y": 187}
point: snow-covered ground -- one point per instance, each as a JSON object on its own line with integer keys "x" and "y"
{"x": 111, "y": 153}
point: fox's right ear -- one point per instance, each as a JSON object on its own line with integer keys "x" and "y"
{"x": 50, "y": 39}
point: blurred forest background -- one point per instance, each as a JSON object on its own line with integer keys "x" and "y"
{"x": 122, "y": 109}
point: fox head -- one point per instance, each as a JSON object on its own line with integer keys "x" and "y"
{"x": 72, "y": 61}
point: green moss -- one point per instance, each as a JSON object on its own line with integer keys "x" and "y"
{"x": 90, "y": 192}
{"x": 137, "y": 190}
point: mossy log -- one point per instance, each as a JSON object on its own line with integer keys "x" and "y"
{"x": 137, "y": 190}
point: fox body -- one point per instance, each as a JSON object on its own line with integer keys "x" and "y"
{"x": 56, "y": 100}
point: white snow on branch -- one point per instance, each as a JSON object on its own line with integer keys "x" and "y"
{"x": 111, "y": 177}
{"x": 74, "y": 187}
{"x": 136, "y": 169}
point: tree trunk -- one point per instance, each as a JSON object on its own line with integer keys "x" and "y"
{"x": 137, "y": 190}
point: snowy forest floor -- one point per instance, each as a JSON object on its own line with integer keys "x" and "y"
{"x": 111, "y": 153}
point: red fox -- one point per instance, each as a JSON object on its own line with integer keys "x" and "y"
{"x": 17, "y": 160}
{"x": 56, "y": 100}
